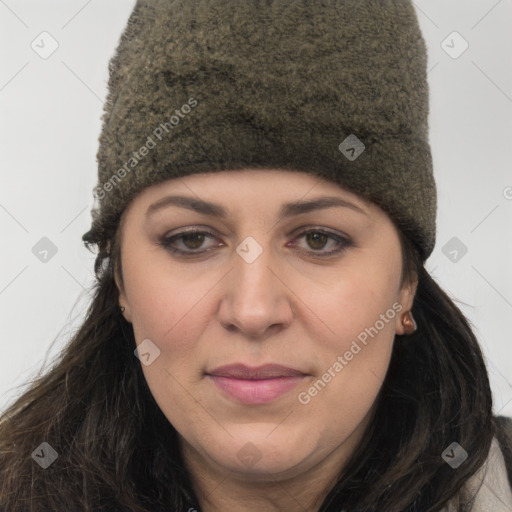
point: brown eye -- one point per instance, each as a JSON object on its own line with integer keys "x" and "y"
{"x": 316, "y": 240}
{"x": 193, "y": 240}
{"x": 189, "y": 242}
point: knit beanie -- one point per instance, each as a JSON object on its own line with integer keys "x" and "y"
{"x": 336, "y": 88}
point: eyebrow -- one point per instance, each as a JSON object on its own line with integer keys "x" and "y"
{"x": 287, "y": 209}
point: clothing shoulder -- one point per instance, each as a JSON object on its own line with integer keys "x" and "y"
{"x": 504, "y": 437}
{"x": 490, "y": 488}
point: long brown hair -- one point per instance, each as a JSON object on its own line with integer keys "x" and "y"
{"x": 117, "y": 451}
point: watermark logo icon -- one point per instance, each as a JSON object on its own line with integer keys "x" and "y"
{"x": 44, "y": 45}
{"x": 249, "y": 249}
{"x": 44, "y": 250}
{"x": 249, "y": 454}
{"x": 454, "y": 249}
{"x": 45, "y": 455}
{"x": 147, "y": 352}
{"x": 455, "y": 45}
{"x": 454, "y": 455}
{"x": 351, "y": 147}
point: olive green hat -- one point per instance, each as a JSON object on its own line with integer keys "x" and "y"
{"x": 336, "y": 88}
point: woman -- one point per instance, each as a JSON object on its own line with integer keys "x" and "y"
{"x": 263, "y": 334}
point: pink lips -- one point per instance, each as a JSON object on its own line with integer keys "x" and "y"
{"x": 255, "y": 385}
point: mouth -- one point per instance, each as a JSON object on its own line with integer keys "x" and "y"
{"x": 258, "y": 385}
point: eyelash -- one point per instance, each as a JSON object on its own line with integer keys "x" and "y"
{"x": 343, "y": 241}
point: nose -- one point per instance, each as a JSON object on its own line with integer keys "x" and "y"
{"x": 256, "y": 298}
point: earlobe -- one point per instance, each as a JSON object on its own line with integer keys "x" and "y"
{"x": 125, "y": 311}
{"x": 406, "y": 324}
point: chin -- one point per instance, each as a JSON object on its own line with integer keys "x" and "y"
{"x": 257, "y": 454}
{"x": 268, "y": 468}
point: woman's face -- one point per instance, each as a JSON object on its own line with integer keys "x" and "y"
{"x": 313, "y": 290}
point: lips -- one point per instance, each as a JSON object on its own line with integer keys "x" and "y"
{"x": 255, "y": 385}
{"x": 268, "y": 371}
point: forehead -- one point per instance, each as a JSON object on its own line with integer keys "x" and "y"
{"x": 256, "y": 188}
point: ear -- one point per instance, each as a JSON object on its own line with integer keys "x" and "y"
{"x": 123, "y": 300}
{"x": 405, "y": 299}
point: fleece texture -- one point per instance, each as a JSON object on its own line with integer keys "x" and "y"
{"x": 336, "y": 88}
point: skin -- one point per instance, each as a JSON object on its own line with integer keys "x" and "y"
{"x": 290, "y": 306}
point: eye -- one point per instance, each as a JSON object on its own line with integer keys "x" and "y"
{"x": 317, "y": 239}
{"x": 193, "y": 239}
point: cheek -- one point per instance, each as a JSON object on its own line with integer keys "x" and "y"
{"x": 361, "y": 301}
{"x": 167, "y": 305}
{"x": 360, "y": 313}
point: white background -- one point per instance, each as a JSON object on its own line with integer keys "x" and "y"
{"x": 50, "y": 113}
